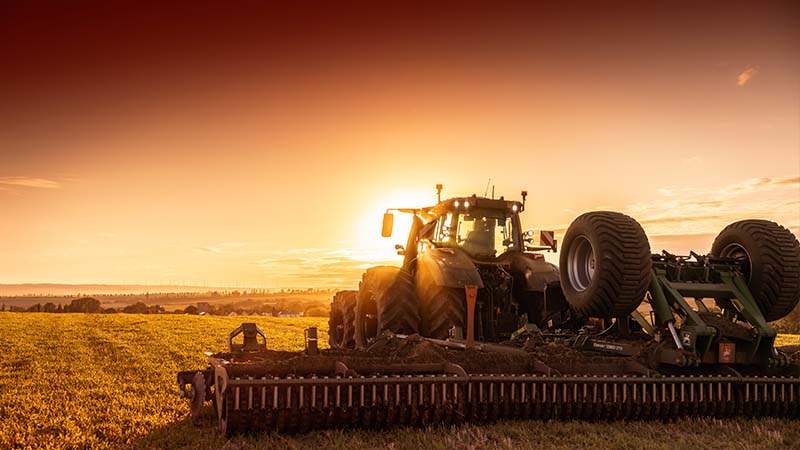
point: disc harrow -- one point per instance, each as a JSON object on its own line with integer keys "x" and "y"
{"x": 293, "y": 404}
{"x": 415, "y": 381}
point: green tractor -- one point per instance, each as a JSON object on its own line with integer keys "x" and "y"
{"x": 607, "y": 276}
{"x": 459, "y": 242}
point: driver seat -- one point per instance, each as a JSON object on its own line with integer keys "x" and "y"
{"x": 479, "y": 242}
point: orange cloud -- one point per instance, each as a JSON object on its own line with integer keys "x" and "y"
{"x": 685, "y": 210}
{"x": 42, "y": 183}
{"x": 747, "y": 75}
{"x": 687, "y": 217}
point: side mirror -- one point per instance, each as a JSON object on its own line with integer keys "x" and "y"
{"x": 388, "y": 224}
{"x": 528, "y": 236}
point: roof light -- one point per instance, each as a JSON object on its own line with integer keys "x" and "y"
{"x": 514, "y": 207}
{"x": 457, "y": 204}
{"x": 466, "y": 204}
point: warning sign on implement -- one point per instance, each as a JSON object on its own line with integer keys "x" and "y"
{"x": 547, "y": 238}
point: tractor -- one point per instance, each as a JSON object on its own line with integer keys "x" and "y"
{"x": 459, "y": 242}
{"x": 615, "y": 331}
{"x": 607, "y": 275}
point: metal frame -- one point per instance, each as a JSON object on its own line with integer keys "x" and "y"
{"x": 676, "y": 278}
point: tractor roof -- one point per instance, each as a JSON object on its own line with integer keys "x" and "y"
{"x": 467, "y": 203}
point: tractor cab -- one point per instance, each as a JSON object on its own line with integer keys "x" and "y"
{"x": 486, "y": 229}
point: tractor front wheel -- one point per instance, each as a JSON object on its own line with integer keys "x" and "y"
{"x": 441, "y": 307}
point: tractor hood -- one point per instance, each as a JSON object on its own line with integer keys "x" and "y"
{"x": 450, "y": 267}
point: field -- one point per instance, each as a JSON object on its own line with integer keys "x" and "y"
{"x": 108, "y": 381}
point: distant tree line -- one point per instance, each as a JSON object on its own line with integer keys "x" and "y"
{"x": 789, "y": 324}
{"x": 92, "y": 305}
{"x": 188, "y": 294}
{"x": 78, "y": 305}
{"x": 86, "y": 305}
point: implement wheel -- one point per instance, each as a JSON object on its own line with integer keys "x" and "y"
{"x": 385, "y": 301}
{"x": 770, "y": 256}
{"x": 605, "y": 264}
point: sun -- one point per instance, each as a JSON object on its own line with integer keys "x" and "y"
{"x": 371, "y": 245}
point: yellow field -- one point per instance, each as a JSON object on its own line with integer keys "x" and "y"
{"x": 108, "y": 381}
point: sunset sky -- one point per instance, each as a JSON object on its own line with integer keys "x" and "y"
{"x": 230, "y": 144}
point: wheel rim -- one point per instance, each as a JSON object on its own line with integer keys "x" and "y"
{"x": 739, "y": 253}
{"x": 581, "y": 263}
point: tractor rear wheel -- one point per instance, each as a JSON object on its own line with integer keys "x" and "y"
{"x": 336, "y": 322}
{"x": 386, "y": 301}
{"x": 197, "y": 395}
{"x": 348, "y": 307}
{"x": 605, "y": 264}
{"x": 770, "y": 257}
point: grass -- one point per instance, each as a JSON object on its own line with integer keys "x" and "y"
{"x": 108, "y": 381}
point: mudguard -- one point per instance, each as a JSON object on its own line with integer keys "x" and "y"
{"x": 532, "y": 274}
{"x": 449, "y": 267}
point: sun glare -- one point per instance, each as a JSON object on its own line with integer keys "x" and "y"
{"x": 368, "y": 229}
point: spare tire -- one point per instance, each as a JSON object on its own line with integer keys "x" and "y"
{"x": 605, "y": 264}
{"x": 770, "y": 257}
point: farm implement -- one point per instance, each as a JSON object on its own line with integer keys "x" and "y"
{"x": 475, "y": 326}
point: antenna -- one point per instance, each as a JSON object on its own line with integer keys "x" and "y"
{"x": 438, "y": 193}
{"x": 486, "y": 192}
{"x": 492, "y": 192}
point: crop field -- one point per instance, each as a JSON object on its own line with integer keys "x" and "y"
{"x": 108, "y": 381}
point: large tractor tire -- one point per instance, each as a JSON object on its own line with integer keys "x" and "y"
{"x": 441, "y": 307}
{"x": 386, "y": 301}
{"x": 605, "y": 264}
{"x": 444, "y": 309}
{"x": 337, "y": 326}
{"x": 348, "y": 306}
{"x": 770, "y": 257}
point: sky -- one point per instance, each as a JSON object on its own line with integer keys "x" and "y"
{"x": 244, "y": 144}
